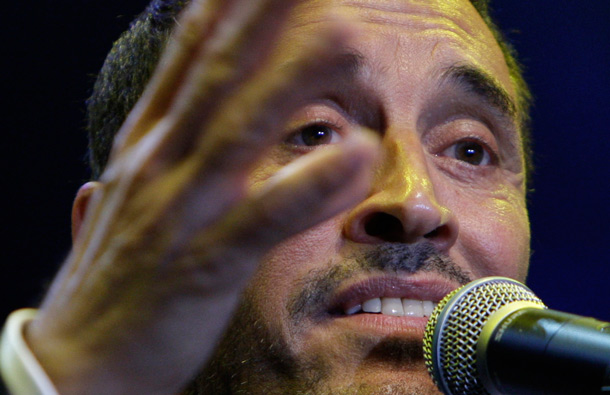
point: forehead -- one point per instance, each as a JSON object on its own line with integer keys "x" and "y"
{"x": 421, "y": 37}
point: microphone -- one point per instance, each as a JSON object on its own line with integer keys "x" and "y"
{"x": 494, "y": 336}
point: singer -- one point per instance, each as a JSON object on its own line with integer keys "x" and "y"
{"x": 282, "y": 191}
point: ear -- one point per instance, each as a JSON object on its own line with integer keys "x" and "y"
{"x": 79, "y": 208}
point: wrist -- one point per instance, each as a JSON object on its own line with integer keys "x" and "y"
{"x": 21, "y": 370}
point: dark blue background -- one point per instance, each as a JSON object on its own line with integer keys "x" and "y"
{"x": 51, "y": 50}
{"x": 565, "y": 46}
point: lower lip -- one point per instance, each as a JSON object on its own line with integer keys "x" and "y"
{"x": 385, "y": 325}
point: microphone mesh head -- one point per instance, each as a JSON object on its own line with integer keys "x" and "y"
{"x": 450, "y": 340}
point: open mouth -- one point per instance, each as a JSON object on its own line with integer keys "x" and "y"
{"x": 390, "y": 296}
{"x": 399, "y": 307}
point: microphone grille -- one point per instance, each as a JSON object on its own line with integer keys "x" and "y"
{"x": 453, "y": 330}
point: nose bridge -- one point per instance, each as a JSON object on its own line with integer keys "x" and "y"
{"x": 403, "y": 176}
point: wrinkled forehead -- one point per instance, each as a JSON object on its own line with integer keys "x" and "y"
{"x": 390, "y": 33}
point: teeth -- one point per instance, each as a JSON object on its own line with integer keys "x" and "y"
{"x": 372, "y": 306}
{"x": 391, "y": 306}
{"x": 395, "y": 307}
{"x": 414, "y": 308}
{"x": 353, "y": 310}
{"x": 428, "y": 307}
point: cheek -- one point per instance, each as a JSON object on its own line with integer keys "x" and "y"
{"x": 261, "y": 173}
{"x": 283, "y": 269}
{"x": 495, "y": 235}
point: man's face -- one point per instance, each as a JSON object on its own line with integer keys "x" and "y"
{"x": 447, "y": 204}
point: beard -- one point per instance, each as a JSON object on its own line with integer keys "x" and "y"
{"x": 253, "y": 358}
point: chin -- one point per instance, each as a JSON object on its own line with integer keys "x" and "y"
{"x": 386, "y": 383}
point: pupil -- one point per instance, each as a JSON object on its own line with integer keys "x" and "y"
{"x": 316, "y": 135}
{"x": 470, "y": 152}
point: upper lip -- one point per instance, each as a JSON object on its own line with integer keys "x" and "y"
{"x": 433, "y": 289}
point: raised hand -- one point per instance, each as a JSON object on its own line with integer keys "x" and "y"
{"x": 174, "y": 229}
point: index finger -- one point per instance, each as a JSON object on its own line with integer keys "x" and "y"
{"x": 223, "y": 40}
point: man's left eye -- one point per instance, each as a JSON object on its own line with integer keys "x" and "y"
{"x": 470, "y": 152}
{"x": 313, "y": 135}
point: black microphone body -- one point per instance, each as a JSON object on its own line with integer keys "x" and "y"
{"x": 538, "y": 351}
{"x": 494, "y": 336}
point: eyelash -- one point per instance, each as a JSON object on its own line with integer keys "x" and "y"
{"x": 490, "y": 157}
{"x": 445, "y": 139}
{"x": 323, "y": 123}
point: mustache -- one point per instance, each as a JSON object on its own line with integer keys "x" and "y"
{"x": 317, "y": 288}
{"x": 412, "y": 258}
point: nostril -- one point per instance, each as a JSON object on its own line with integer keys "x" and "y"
{"x": 441, "y": 234}
{"x": 385, "y": 226}
{"x": 433, "y": 234}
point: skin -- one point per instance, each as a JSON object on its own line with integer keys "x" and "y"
{"x": 215, "y": 199}
{"x": 477, "y": 213}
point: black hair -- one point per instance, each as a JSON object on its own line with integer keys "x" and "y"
{"x": 135, "y": 54}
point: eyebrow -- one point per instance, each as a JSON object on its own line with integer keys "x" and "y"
{"x": 351, "y": 61}
{"x": 354, "y": 62}
{"x": 477, "y": 81}
{"x": 350, "y": 93}
{"x": 470, "y": 78}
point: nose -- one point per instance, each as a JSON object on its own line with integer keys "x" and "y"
{"x": 402, "y": 206}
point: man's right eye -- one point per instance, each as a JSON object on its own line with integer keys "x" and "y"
{"x": 316, "y": 134}
{"x": 470, "y": 152}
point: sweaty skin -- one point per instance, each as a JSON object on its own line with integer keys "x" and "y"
{"x": 279, "y": 184}
{"x": 407, "y": 83}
